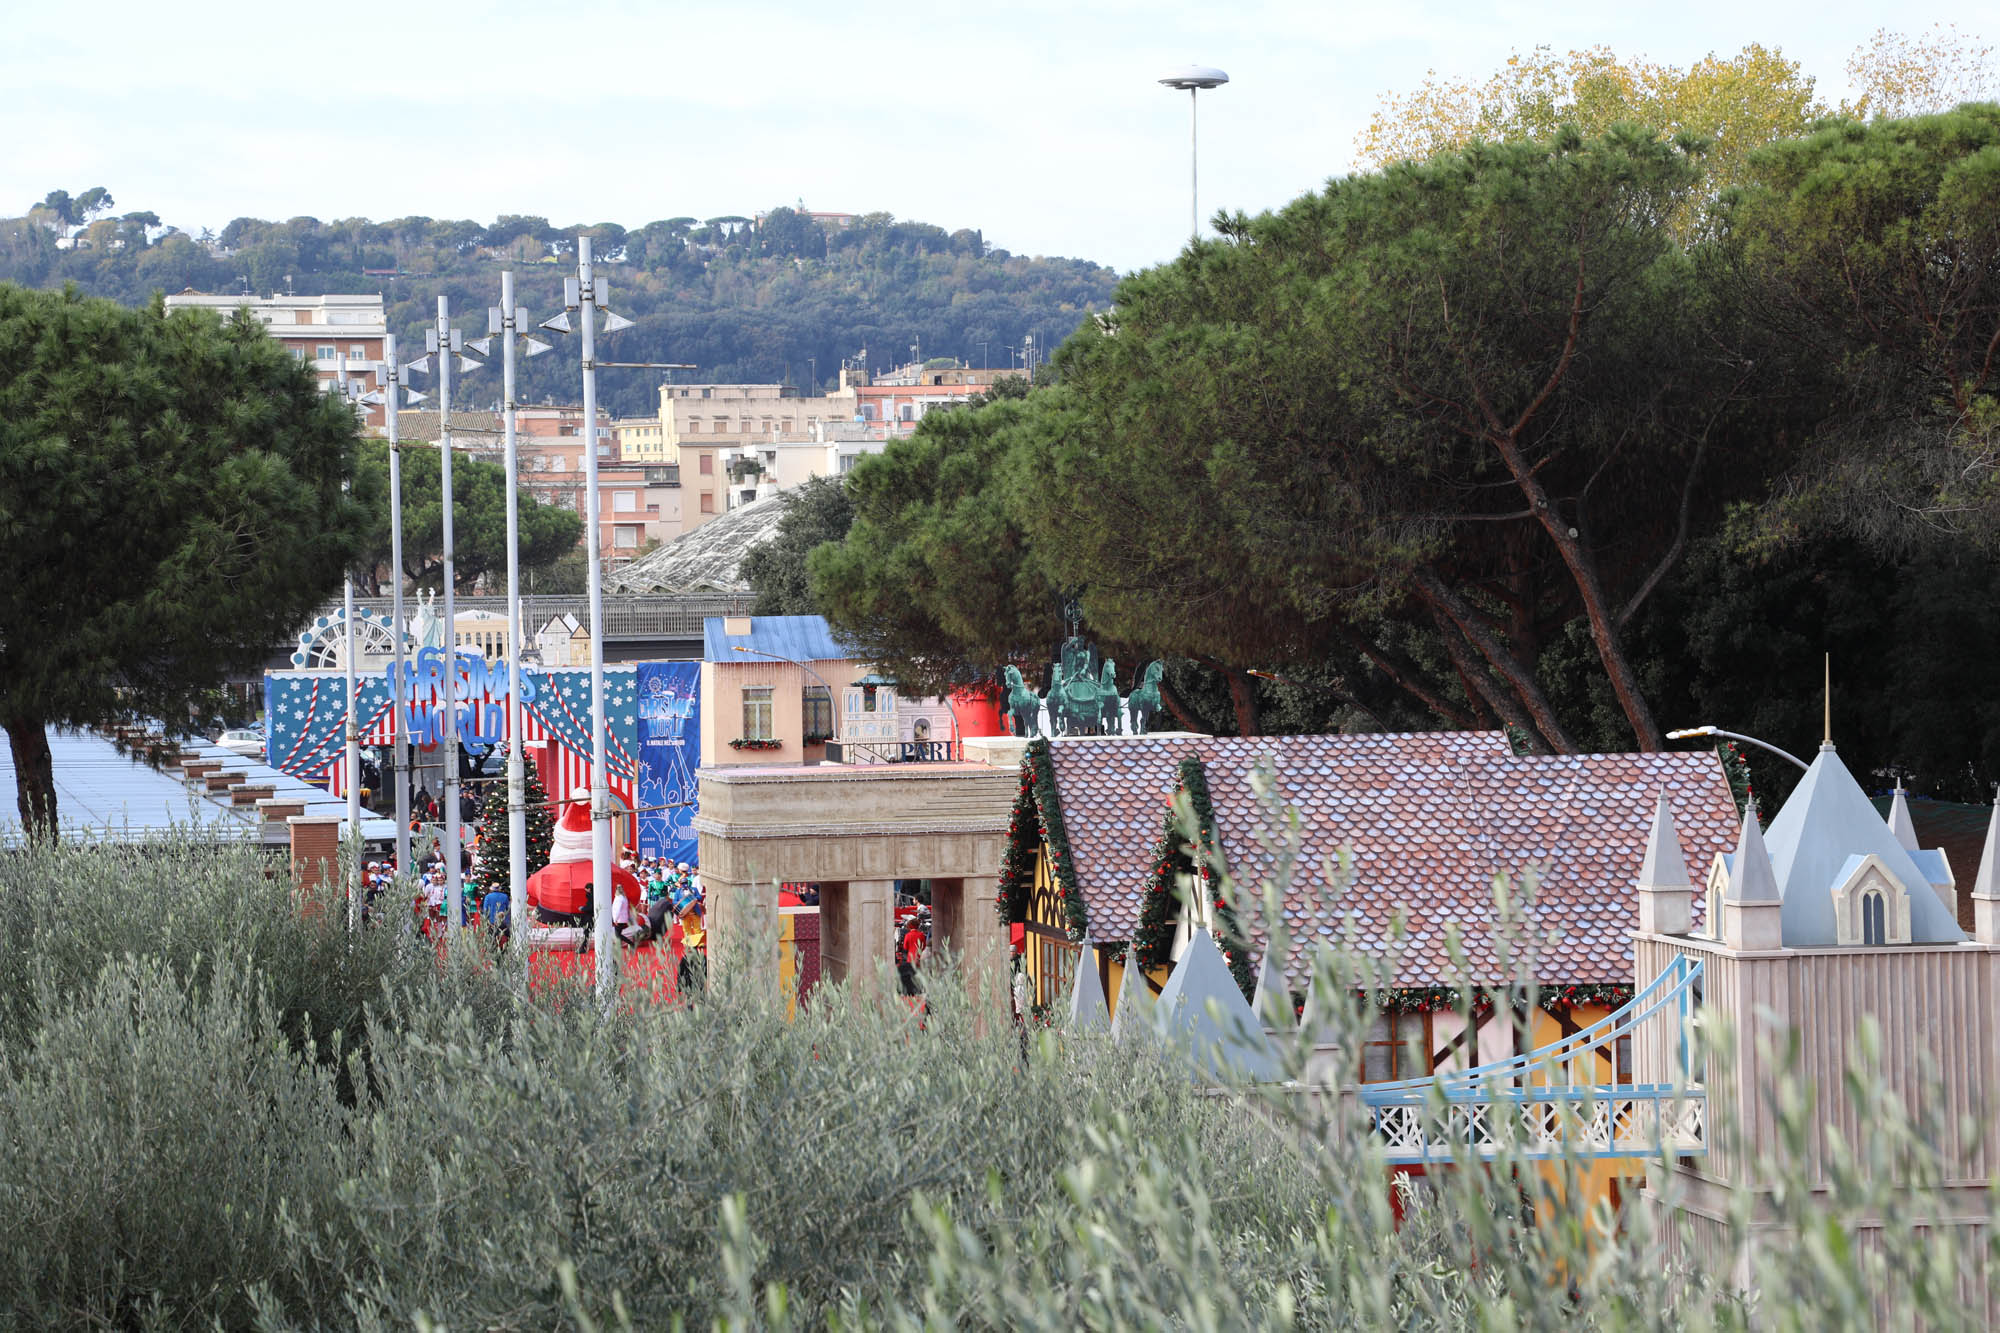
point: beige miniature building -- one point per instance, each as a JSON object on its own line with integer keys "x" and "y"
{"x": 1814, "y": 927}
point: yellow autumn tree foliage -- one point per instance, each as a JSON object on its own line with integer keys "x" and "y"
{"x": 1897, "y": 75}
{"x": 1736, "y": 103}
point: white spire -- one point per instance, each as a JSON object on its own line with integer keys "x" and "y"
{"x": 1087, "y": 1010}
{"x": 1752, "y": 879}
{"x": 1135, "y": 999}
{"x": 1273, "y": 1001}
{"x": 1664, "y": 866}
{"x": 1986, "y": 884}
{"x": 1900, "y": 822}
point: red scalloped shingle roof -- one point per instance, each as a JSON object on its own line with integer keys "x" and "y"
{"x": 1428, "y": 818}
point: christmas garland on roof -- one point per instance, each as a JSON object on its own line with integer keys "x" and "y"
{"x": 1159, "y": 908}
{"x": 1550, "y": 999}
{"x": 1037, "y": 823}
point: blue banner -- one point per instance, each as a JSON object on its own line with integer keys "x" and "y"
{"x": 669, "y": 753}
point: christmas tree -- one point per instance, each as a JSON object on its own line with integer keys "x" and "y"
{"x": 489, "y": 865}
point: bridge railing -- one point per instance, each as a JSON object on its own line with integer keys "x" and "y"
{"x": 1478, "y": 1110}
{"x": 624, "y": 617}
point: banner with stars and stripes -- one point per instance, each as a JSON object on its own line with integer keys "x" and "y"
{"x": 305, "y": 719}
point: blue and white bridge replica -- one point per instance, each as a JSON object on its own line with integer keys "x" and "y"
{"x": 1478, "y": 1110}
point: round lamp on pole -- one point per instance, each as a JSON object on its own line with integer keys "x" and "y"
{"x": 1194, "y": 78}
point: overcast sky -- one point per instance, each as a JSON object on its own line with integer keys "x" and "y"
{"x": 1039, "y": 122}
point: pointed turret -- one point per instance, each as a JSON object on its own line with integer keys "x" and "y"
{"x": 1900, "y": 822}
{"x": 1134, "y": 1014}
{"x": 1986, "y": 885}
{"x": 1204, "y": 1016}
{"x": 1752, "y": 912}
{"x": 1666, "y": 896}
{"x": 1087, "y": 1010}
{"x": 1273, "y": 1001}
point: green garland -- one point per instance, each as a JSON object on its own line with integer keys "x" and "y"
{"x": 1159, "y": 909}
{"x": 1037, "y": 822}
{"x": 1017, "y": 860}
{"x": 1551, "y": 999}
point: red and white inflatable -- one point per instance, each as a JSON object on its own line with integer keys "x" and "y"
{"x": 564, "y": 884}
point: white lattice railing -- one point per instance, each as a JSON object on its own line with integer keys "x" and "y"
{"x": 1480, "y": 1111}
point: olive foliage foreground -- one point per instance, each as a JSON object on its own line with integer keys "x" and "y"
{"x": 220, "y": 1111}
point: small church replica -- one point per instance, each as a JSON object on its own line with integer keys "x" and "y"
{"x": 1830, "y": 917}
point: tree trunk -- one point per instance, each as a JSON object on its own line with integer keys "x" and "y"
{"x": 1596, "y": 607}
{"x": 1243, "y": 696}
{"x": 1406, "y": 676}
{"x": 1480, "y": 684}
{"x": 1179, "y": 710}
{"x": 34, "y": 776}
{"x": 1446, "y": 601}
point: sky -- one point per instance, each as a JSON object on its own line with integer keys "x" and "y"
{"x": 1042, "y": 124}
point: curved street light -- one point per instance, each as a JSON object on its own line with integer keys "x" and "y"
{"x": 1194, "y": 78}
{"x": 1691, "y": 732}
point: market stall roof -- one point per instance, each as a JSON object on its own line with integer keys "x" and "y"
{"x": 105, "y": 796}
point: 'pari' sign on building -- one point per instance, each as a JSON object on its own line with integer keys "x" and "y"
{"x": 651, "y": 765}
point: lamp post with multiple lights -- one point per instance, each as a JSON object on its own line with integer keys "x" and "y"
{"x": 1195, "y": 79}
{"x": 448, "y": 345}
{"x": 508, "y": 322}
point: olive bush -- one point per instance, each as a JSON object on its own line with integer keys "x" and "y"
{"x": 221, "y": 1111}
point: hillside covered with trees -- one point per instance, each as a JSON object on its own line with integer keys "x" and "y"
{"x": 781, "y": 299}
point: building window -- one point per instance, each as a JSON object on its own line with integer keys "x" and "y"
{"x": 708, "y": 465}
{"x": 625, "y": 538}
{"x": 325, "y": 352}
{"x": 817, "y": 708}
{"x": 356, "y": 352}
{"x": 757, "y": 712}
{"x": 707, "y": 502}
{"x": 847, "y": 463}
{"x": 624, "y": 502}
{"x": 1874, "y": 919}
{"x": 694, "y": 426}
{"x": 1396, "y": 1046}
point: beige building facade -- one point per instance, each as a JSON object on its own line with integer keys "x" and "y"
{"x": 329, "y": 333}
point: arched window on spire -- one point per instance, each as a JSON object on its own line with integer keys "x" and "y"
{"x": 1874, "y": 919}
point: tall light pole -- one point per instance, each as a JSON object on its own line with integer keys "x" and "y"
{"x": 506, "y": 322}
{"x": 585, "y": 298}
{"x": 390, "y": 393}
{"x": 1194, "y": 78}
{"x": 351, "y": 759}
{"x": 446, "y": 343}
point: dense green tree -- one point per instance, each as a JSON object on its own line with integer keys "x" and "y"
{"x": 479, "y": 523}
{"x": 816, "y": 513}
{"x": 1871, "y": 256}
{"x": 171, "y": 505}
{"x": 935, "y": 578}
{"x": 1474, "y": 395}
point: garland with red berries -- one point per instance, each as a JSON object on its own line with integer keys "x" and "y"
{"x": 1552, "y": 999}
{"x": 1036, "y": 824}
{"x": 1159, "y": 910}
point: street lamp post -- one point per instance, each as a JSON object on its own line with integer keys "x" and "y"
{"x": 447, "y": 344}
{"x": 351, "y": 758}
{"x": 507, "y": 321}
{"x": 1691, "y": 732}
{"x": 390, "y": 393}
{"x": 1194, "y": 78}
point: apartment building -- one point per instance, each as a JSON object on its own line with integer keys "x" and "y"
{"x": 320, "y": 330}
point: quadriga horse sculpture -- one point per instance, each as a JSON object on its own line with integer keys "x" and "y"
{"x": 1024, "y": 707}
{"x": 1144, "y": 702}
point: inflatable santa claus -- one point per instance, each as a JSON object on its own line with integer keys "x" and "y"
{"x": 561, "y": 889}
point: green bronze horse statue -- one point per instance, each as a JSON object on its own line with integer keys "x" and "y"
{"x": 1144, "y": 702}
{"x": 1024, "y": 707}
